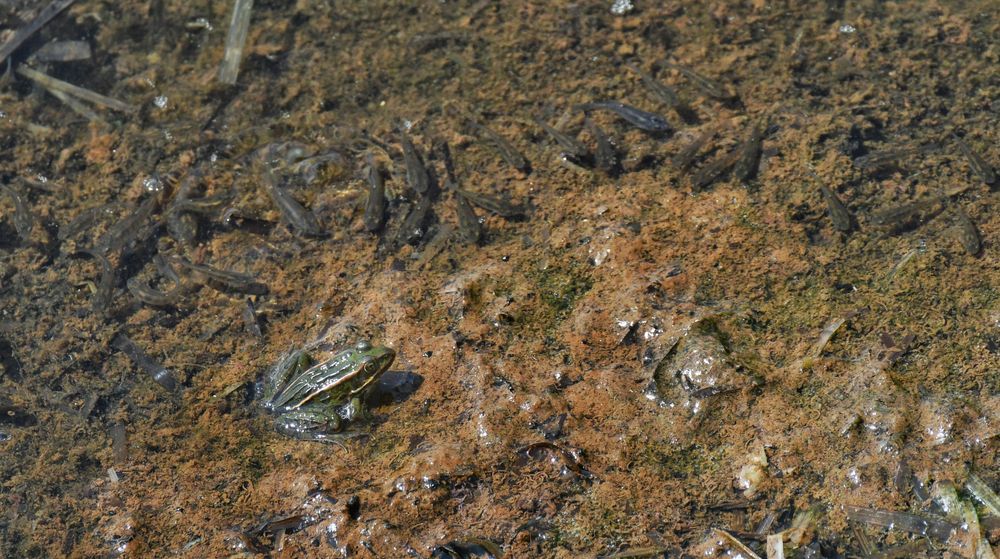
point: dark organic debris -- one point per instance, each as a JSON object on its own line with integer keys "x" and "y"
{"x": 24, "y": 221}
{"x": 472, "y": 548}
{"x": 14, "y": 415}
{"x": 270, "y": 535}
{"x": 570, "y": 460}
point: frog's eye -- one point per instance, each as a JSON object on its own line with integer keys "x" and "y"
{"x": 363, "y": 345}
{"x": 371, "y": 367}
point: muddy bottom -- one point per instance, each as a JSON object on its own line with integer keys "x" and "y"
{"x": 662, "y": 280}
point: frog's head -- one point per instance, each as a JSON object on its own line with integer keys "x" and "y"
{"x": 370, "y": 362}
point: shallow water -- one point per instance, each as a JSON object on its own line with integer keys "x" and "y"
{"x": 629, "y": 360}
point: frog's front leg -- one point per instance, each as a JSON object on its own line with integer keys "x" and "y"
{"x": 355, "y": 409}
{"x": 309, "y": 423}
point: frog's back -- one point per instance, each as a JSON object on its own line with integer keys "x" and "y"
{"x": 324, "y": 376}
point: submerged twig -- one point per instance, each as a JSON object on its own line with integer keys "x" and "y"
{"x": 239, "y": 24}
{"x": 77, "y": 106}
{"x": 52, "y": 84}
{"x": 775, "y": 547}
{"x": 902, "y": 263}
{"x": 824, "y": 337}
{"x": 728, "y": 544}
{"x": 638, "y": 553}
{"x": 22, "y": 35}
{"x": 63, "y": 51}
{"x": 119, "y": 443}
{"x": 899, "y": 552}
{"x": 940, "y": 530}
{"x": 982, "y": 492}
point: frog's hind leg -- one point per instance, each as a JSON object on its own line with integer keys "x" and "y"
{"x": 290, "y": 365}
{"x": 308, "y": 424}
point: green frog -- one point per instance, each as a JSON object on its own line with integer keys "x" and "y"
{"x": 316, "y": 401}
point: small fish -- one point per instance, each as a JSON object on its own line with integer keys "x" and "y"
{"x": 416, "y": 173}
{"x": 414, "y": 227}
{"x": 746, "y": 165}
{"x": 129, "y": 229}
{"x": 444, "y": 153}
{"x": 244, "y": 283}
{"x": 504, "y": 148}
{"x": 880, "y": 159}
{"x": 182, "y": 226}
{"x": 166, "y": 270}
{"x": 309, "y": 168}
{"x": 86, "y": 219}
{"x": 295, "y": 214}
{"x": 665, "y": 94}
{"x": 650, "y": 122}
{"x": 839, "y": 214}
{"x": 968, "y": 234}
{"x": 569, "y": 144}
{"x": 152, "y": 367}
{"x": 605, "y": 157}
{"x": 715, "y": 169}
{"x": 977, "y": 163}
{"x": 181, "y": 222}
{"x": 155, "y": 297}
{"x": 105, "y": 286}
{"x": 375, "y": 206}
{"x": 470, "y": 229}
{"x": 492, "y": 204}
{"x": 908, "y": 216}
{"x": 498, "y": 143}
{"x": 249, "y": 315}
{"x": 711, "y": 88}
{"x": 152, "y": 297}
{"x": 685, "y": 157}
{"x": 205, "y": 205}
{"x": 24, "y": 222}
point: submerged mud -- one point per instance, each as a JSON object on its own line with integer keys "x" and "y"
{"x": 763, "y": 304}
